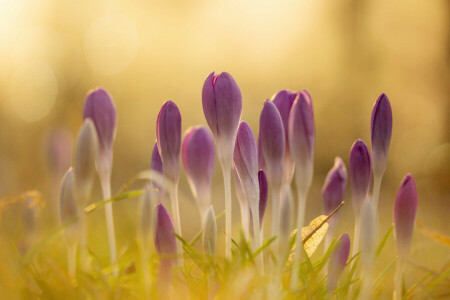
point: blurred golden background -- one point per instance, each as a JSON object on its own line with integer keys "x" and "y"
{"x": 345, "y": 53}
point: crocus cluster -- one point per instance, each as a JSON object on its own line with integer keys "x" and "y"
{"x": 285, "y": 147}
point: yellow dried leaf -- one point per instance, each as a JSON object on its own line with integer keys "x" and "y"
{"x": 314, "y": 233}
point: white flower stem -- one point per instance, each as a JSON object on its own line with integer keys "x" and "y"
{"x": 71, "y": 259}
{"x": 257, "y": 237}
{"x": 226, "y": 170}
{"x": 106, "y": 187}
{"x": 401, "y": 263}
{"x": 245, "y": 219}
{"x": 275, "y": 211}
{"x": 83, "y": 241}
{"x": 376, "y": 189}
{"x": 176, "y": 219}
{"x": 298, "y": 239}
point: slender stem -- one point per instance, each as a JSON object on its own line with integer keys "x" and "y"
{"x": 106, "y": 187}
{"x": 226, "y": 170}
{"x": 376, "y": 189}
{"x": 329, "y": 237}
{"x": 71, "y": 259}
{"x": 357, "y": 234}
{"x": 401, "y": 263}
{"x": 176, "y": 219}
{"x": 83, "y": 241}
{"x": 245, "y": 219}
{"x": 275, "y": 211}
{"x": 257, "y": 237}
{"x": 298, "y": 239}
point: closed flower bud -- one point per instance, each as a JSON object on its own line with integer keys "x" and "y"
{"x": 337, "y": 262}
{"x": 222, "y": 106}
{"x": 263, "y": 193}
{"x": 261, "y": 160}
{"x": 301, "y": 138}
{"x": 210, "y": 232}
{"x": 197, "y": 152}
{"x": 272, "y": 137}
{"x": 168, "y": 136}
{"x": 360, "y": 173}
{"x": 68, "y": 208}
{"x": 284, "y": 100}
{"x": 334, "y": 189}
{"x": 405, "y": 210}
{"x": 85, "y": 159}
{"x": 156, "y": 165}
{"x": 99, "y": 107}
{"x": 165, "y": 241}
{"x": 245, "y": 159}
{"x": 381, "y": 131}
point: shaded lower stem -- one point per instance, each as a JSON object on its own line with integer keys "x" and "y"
{"x": 257, "y": 236}
{"x": 226, "y": 170}
{"x": 83, "y": 241}
{"x": 71, "y": 259}
{"x": 401, "y": 263}
{"x": 176, "y": 219}
{"x": 298, "y": 239}
{"x": 275, "y": 211}
{"x": 106, "y": 187}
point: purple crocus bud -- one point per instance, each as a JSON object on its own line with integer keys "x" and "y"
{"x": 99, "y": 107}
{"x": 334, "y": 189}
{"x": 165, "y": 241}
{"x": 284, "y": 100}
{"x": 168, "y": 137}
{"x": 197, "y": 152}
{"x": 381, "y": 131}
{"x": 261, "y": 160}
{"x": 84, "y": 162}
{"x": 156, "y": 165}
{"x": 301, "y": 138}
{"x": 405, "y": 210}
{"x": 360, "y": 173}
{"x": 59, "y": 151}
{"x": 222, "y": 106}
{"x": 245, "y": 159}
{"x": 337, "y": 262}
{"x": 272, "y": 137}
{"x": 263, "y": 193}
{"x": 210, "y": 232}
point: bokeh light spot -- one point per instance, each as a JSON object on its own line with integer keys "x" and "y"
{"x": 111, "y": 44}
{"x": 33, "y": 90}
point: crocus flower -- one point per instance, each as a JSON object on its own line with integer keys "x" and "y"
{"x": 261, "y": 160}
{"x": 99, "y": 107}
{"x": 360, "y": 173}
{"x": 197, "y": 152}
{"x": 222, "y": 106}
{"x": 69, "y": 213}
{"x": 210, "y": 232}
{"x": 245, "y": 159}
{"x": 301, "y": 138}
{"x": 165, "y": 241}
{"x": 272, "y": 142}
{"x": 284, "y": 100}
{"x": 59, "y": 151}
{"x": 381, "y": 131}
{"x": 168, "y": 137}
{"x": 334, "y": 189}
{"x": 263, "y": 193}
{"x": 405, "y": 210}
{"x": 84, "y": 162}
{"x": 337, "y": 262}
{"x": 67, "y": 205}
{"x": 156, "y": 165}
